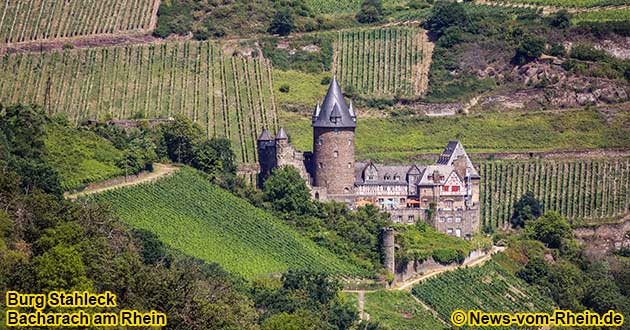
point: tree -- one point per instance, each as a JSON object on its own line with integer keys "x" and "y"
{"x": 535, "y": 272}
{"x": 287, "y": 191}
{"x": 371, "y": 12}
{"x": 179, "y": 138}
{"x": 530, "y": 49}
{"x": 283, "y": 22}
{"x": 207, "y": 160}
{"x": 551, "y": 229}
{"x": 447, "y": 14}
{"x": 527, "y": 208}
{"x": 302, "y": 320}
{"x": 560, "y": 19}
{"x": 61, "y": 268}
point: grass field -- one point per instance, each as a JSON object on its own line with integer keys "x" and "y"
{"x": 39, "y": 20}
{"x": 581, "y": 190}
{"x": 228, "y": 96}
{"x": 204, "y": 221}
{"x": 398, "y": 140}
{"x": 81, "y": 157}
{"x": 397, "y": 310}
{"x": 383, "y": 61}
{"x": 488, "y": 288}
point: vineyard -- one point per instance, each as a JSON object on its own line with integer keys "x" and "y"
{"x": 488, "y": 288}
{"x": 563, "y": 3}
{"x": 578, "y": 189}
{"x": 397, "y": 310}
{"x": 602, "y": 16}
{"x": 343, "y": 6}
{"x": 227, "y": 95}
{"x": 383, "y": 61}
{"x": 206, "y": 222}
{"x": 38, "y": 20}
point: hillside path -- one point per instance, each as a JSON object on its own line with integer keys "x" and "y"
{"x": 159, "y": 171}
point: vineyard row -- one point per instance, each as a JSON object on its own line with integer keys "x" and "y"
{"x": 578, "y": 189}
{"x": 36, "y": 20}
{"x": 228, "y": 96}
{"x": 387, "y": 61}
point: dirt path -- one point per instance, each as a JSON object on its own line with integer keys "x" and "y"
{"x": 159, "y": 171}
{"x": 548, "y": 9}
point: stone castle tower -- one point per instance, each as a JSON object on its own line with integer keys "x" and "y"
{"x": 333, "y": 124}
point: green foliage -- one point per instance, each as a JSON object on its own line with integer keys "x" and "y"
{"x": 282, "y": 23}
{"x": 371, "y": 11}
{"x": 489, "y": 287}
{"x": 298, "y": 321}
{"x": 551, "y": 229}
{"x": 530, "y": 49}
{"x": 284, "y": 88}
{"x": 527, "y": 208}
{"x": 287, "y": 192}
{"x": 220, "y": 227}
{"x": 61, "y": 268}
{"x": 421, "y": 242}
{"x": 560, "y": 19}
{"x": 445, "y": 15}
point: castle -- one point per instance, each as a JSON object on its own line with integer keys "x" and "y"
{"x": 444, "y": 195}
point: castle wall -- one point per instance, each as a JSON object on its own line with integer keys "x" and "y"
{"x": 414, "y": 268}
{"x": 333, "y": 160}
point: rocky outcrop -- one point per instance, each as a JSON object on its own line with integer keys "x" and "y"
{"x": 604, "y": 239}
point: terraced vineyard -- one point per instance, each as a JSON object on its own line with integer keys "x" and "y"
{"x": 343, "y": 6}
{"x": 602, "y": 16}
{"x": 204, "y": 221}
{"x": 488, "y": 288}
{"x": 229, "y": 96}
{"x": 578, "y": 189}
{"x": 383, "y": 61}
{"x": 563, "y": 3}
{"x": 38, "y": 20}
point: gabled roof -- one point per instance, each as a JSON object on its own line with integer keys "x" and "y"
{"x": 445, "y": 171}
{"x": 282, "y": 135}
{"x": 265, "y": 136}
{"x": 334, "y": 111}
{"x": 452, "y": 152}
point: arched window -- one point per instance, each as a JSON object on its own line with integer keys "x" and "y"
{"x": 346, "y": 189}
{"x": 317, "y": 195}
{"x": 335, "y": 153}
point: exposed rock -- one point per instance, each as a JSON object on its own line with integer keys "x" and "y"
{"x": 604, "y": 239}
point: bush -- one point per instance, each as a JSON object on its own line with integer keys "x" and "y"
{"x": 284, "y": 88}
{"x": 325, "y": 81}
{"x": 283, "y": 22}
{"x": 557, "y": 50}
{"x": 371, "y": 12}
{"x": 448, "y": 256}
{"x": 530, "y": 49}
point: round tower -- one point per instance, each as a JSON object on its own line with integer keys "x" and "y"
{"x": 333, "y": 124}
{"x": 389, "y": 249}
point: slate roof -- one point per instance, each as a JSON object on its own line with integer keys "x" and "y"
{"x": 265, "y": 136}
{"x": 282, "y": 135}
{"x": 334, "y": 111}
{"x": 453, "y": 151}
{"x": 383, "y": 172}
{"x": 445, "y": 170}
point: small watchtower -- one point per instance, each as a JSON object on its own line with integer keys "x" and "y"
{"x": 267, "y": 152}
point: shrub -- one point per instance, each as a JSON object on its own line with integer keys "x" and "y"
{"x": 283, "y": 22}
{"x": 325, "y": 81}
{"x": 284, "y": 88}
{"x": 448, "y": 256}
{"x": 530, "y": 49}
{"x": 371, "y": 11}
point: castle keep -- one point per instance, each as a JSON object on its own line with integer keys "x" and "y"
{"x": 445, "y": 195}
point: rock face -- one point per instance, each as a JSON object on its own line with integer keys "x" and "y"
{"x": 604, "y": 239}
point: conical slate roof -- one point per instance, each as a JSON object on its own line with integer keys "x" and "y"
{"x": 282, "y": 135}
{"x": 265, "y": 136}
{"x": 334, "y": 111}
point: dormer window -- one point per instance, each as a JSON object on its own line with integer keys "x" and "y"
{"x": 397, "y": 177}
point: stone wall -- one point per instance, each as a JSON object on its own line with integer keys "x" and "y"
{"x": 416, "y": 268}
{"x": 604, "y": 239}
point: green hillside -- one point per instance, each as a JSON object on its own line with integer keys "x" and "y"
{"x": 488, "y": 288}
{"x": 81, "y": 157}
{"x": 206, "y": 222}
{"x": 397, "y": 310}
{"x": 399, "y": 139}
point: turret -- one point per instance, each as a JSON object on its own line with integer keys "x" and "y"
{"x": 266, "y": 155}
{"x": 333, "y": 142}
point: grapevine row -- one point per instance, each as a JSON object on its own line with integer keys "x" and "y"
{"x": 383, "y": 61}
{"x": 228, "y": 96}
{"x": 578, "y": 189}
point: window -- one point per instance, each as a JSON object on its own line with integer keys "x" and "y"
{"x": 411, "y": 219}
{"x": 396, "y": 177}
{"x": 458, "y": 219}
{"x": 442, "y": 219}
{"x": 349, "y": 141}
{"x": 400, "y": 219}
{"x": 449, "y": 204}
{"x": 455, "y": 188}
{"x": 335, "y": 153}
{"x": 317, "y": 195}
{"x": 445, "y": 188}
{"x": 402, "y": 201}
{"x": 387, "y": 177}
{"x": 449, "y": 219}
{"x": 346, "y": 189}
{"x": 349, "y": 165}
{"x": 320, "y": 165}
{"x": 320, "y": 141}
{"x": 449, "y": 231}
{"x": 458, "y": 232}
{"x": 370, "y": 177}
